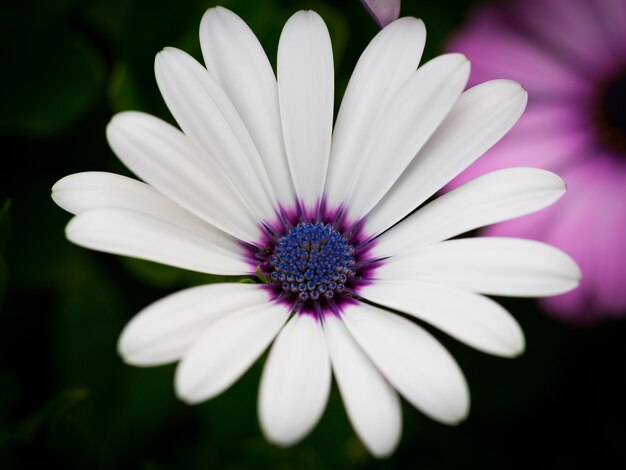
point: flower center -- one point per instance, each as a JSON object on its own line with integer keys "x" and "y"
{"x": 312, "y": 262}
{"x": 611, "y": 113}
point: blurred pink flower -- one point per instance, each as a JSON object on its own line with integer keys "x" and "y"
{"x": 571, "y": 57}
{"x": 383, "y": 11}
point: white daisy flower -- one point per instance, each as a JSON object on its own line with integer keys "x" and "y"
{"x": 253, "y": 183}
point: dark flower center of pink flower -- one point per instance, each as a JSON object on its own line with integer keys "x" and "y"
{"x": 611, "y": 113}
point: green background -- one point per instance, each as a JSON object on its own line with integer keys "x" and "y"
{"x": 67, "y": 399}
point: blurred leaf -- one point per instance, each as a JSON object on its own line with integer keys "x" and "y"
{"x": 260, "y": 275}
{"x": 87, "y": 323}
{"x": 124, "y": 91}
{"x": 41, "y": 10}
{"x": 108, "y": 17}
{"x": 50, "y": 80}
{"x": 4, "y": 278}
{"x": 338, "y": 28}
{"x": 10, "y": 386}
{"x": 5, "y": 229}
{"x": 147, "y": 403}
{"x": 155, "y": 24}
{"x": 33, "y": 262}
{"x": 51, "y": 412}
{"x": 5, "y": 224}
{"x": 89, "y": 319}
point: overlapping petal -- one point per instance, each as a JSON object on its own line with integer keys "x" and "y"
{"x": 162, "y": 332}
{"x": 410, "y": 118}
{"x": 471, "y": 318}
{"x": 82, "y": 192}
{"x": 164, "y": 158}
{"x": 209, "y": 120}
{"x": 129, "y": 233}
{"x": 371, "y": 403}
{"x": 235, "y": 58}
{"x": 385, "y": 65}
{"x": 226, "y": 349}
{"x": 490, "y": 265}
{"x": 491, "y": 198}
{"x": 415, "y": 363}
{"x": 480, "y": 117}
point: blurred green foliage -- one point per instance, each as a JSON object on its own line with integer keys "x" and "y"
{"x": 66, "y": 397}
{"x": 5, "y": 230}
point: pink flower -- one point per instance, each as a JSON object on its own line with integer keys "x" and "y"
{"x": 571, "y": 57}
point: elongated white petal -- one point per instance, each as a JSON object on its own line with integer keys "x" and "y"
{"x": 306, "y": 96}
{"x": 226, "y": 349}
{"x": 208, "y": 118}
{"x": 162, "y": 332}
{"x": 163, "y": 157}
{"x": 414, "y": 362}
{"x": 82, "y": 192}
{"x": 490, "y": 265}
{"x": 471, "y": 318}
{"x": 138, "y": 235}
{"x": 411, "y": 117}
{"x": 385, "y": 65}
{"x": 234, "y": 56}
{"x": 295, "y": 383}
{"x": 371, "y": 403}
{"x": 478, "y": 120}
{"x": 494, "y": 197}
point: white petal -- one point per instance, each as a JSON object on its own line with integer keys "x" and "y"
{"x": 226, "y": 349}
{"x": 385, "y": 65}
{"x": 163, "y": 331}
{"x": 471, "y": 318}
{"x": 478, "y": 120}
{"x": 207, "y": 117}
{"x": 494, "y": 197}
{"x": 371, "y": 403}
{"x": 82, "y": 192}
{"x": 490, "y": 265}
{"x": 306, "y": 95}
{"x": 163, "y": 157}
{"x": 295, "y": 383}
{"x": 138, "y": 235}
{"x": 234, "y": 56}
{"x": 411, "y": 117}
{"x": 412, "y": 360}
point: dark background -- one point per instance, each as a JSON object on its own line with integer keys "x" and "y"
{"x": 67, "y": 399}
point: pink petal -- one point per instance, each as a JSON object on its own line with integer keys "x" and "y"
{"x": 570, "y": 30}
{"x": 383, "y": 11}
{"x": 588, "y": 223}
{"x": 498, "y": 51}
{"x": 543, "y": 138}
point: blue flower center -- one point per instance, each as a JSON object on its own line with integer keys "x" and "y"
{"x": 312, "y": 261}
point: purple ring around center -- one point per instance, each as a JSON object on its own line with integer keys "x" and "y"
{"x": 257, "y": 255}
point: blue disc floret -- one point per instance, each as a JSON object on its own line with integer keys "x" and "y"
{"x": 312, "y": 262}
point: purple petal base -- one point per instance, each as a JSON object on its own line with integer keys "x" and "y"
{"x": 257, "y": 254}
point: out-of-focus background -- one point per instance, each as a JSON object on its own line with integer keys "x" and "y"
{"x": 66, "y": 398}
